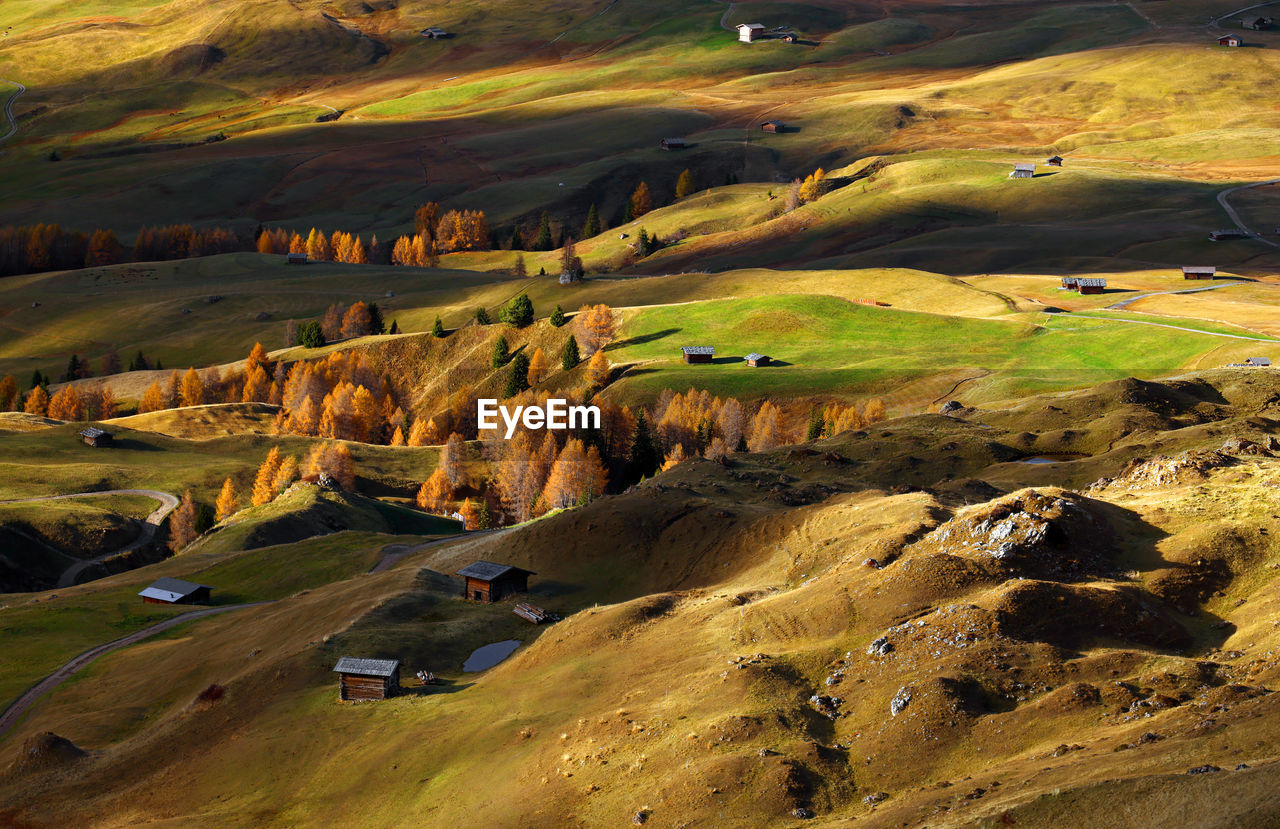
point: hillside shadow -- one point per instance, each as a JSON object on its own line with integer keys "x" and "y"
{"x": 1046, "y": 173}
{"x": 551, "y": 588}
{"x": 641, "y": 339}
{"x": 441, "y": 686}
{"x": 132, "y": 445}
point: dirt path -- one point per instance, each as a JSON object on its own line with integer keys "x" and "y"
{"x": 395, "y": 553}
{"x": 724, "y": 18}
{"x": 1217, "y": 21}
{"x": 149, "y": 525}
{"x": 8, "y": 111}
{"x": 53, "y": 680}
{"x": 1258, "y": 339}
{"x": 1235, "y": 217}
{"x": 1125, "y": 303}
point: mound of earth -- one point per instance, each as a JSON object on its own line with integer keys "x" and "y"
{"x": 191, "y": 59}
{"x": 1050, "y": 534}
{"x": 44, "y": 751}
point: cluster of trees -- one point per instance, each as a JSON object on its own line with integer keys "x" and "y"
{"x": 339, "y": 397}
{"x": 441, "y": 232}
{"x": 335, "y": 247}
{"x": 814, "y": 186}
{"x": 834, "y": 419}
{"x": 46, "y": 247}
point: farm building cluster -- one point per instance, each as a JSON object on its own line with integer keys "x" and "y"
{"x": 1084, "y": 284}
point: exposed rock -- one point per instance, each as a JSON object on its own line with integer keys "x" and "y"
{"x": 1205, "y": 769}
{"x": 900, "y": 701}
{"x": 46, "y": 750}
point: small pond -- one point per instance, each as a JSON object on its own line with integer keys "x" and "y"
{"x": 486, "y": 657}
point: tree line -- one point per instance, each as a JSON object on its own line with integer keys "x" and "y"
{"x": 49, "y": 247}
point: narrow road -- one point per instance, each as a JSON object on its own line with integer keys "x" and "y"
{"x": 53, "y": 680}
{"x": 149, "y": 525}
{"x": 1258, "y": 339}
{"x": 1217, "y": 21}
{"x": 1125, "y": 303}
{"x": 1235, "y": 217}
{"x": 724, "y": 18}
{"x": 8, "y": 111}
{"x": 395, "y": 553}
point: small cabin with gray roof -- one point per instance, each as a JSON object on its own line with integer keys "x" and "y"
{"x": 175, "y": 591}
{"x": 756, "y": 359}
{"x": 1023, "y": 169}
{"x": 367, "y": 679}
{"x": 698, "y": 353}
{"x": 490, "y": 582}
{"x": 1199, "y": 272}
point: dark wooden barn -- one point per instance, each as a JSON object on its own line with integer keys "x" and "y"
{"x": 1230, "y": 40}
{"x": 489, "y": 582}
{"x": 756, "y": 360}
{"x": 367, "y": 679}
{"x": 698, "y": 353}
{"x": 97, "y": 437}
{"x": 674, "y": 144}
{"x": 1091, "y": 285}
{"x": 773, "y": 126}
{"x": 296, "y": 259}
{"x": 1199, "y": 272}
{"x": 1069, "y": 282}
{"x": 175, "y": 591}
{"x": 1056, "y": 161}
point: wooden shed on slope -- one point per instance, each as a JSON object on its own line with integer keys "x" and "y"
{"x": 97, "y": 437}
{"x": 698, "y": 353}
{"x": 435, "y": 33}
{"x": 489, "y": 582}
{"x": 175, "y": 591}
{"x": 1258, "y": 362}
{"x": 755, "y": 360}
{"x": 1069, "y": 282}
{"x": 748, "y": 32}
{"x": 1230, "y": 40}
{"x": 1056, "y": 161}
{"x": 674, "y": 144}
{"x": 773, "y": 126}
{"x": 367, "y": 679}
{"x": 1023, "y": 169}
{"x": 296, "y": 259}
{"x": 1091, "y": 285}
{"x": 1199, "y": 271}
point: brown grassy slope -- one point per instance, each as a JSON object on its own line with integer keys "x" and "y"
{"x": 738, "y": 593}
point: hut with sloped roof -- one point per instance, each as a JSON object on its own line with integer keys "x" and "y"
{"x": 367, "y": 679}
{"x": 490, "y": 582}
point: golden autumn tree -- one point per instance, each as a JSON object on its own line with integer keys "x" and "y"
{"x": 641, "y": 200}
{"x": 673, "y": 458}
{"x": 153, "y": 399}
{"x": 538, "y": 368}
{"x": 452, "y": 456}
{"x": 470, "y": 515}
{"x": 873, "y": 412}
{"x": 182, "y": 523}
{"x": 397, "y": 437}
{"x": 598, "y": 371}
{"x": 37, "y": 402}
{"x": 334, "y": 460}
{"x": 192, "y": 388}
{"x": 263, "y": 491}
{"x": 226, "y": 503}
{"x": 106, "y": 403}
{"x": 435, "y": 493}
{"x": 766, "y": 431}
{"x": 66, "y": 404}
{"x": 257, "y": 359}
{"x": 576, "y": 477}
{"x": 286, "y": 474}
{"x": 8, "y": 393}
{"x": 594, "y": 327}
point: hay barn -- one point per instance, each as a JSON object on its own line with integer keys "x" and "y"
{"x": 1091, "y": 285}
{"x": 1023, "y": 169}
{"x": 175, "y": 591}
{"x": 489, "y": 582}
{"x": 756, "y": 360}
{"x": 748, "y": 32}
{"x": 1199, "y": 271}
{"x": 367, "y": 679}
{"x": 698, "y": 353}
{"x": 97, "y": 437}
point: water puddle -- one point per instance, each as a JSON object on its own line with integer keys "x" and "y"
{"x": 486, "y": 657}
{"x": 1050, "y": 459}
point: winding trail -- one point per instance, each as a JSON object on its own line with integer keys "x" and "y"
{"x": 1217, "y": 21}
{"x": 395, "y": 553}
{"x": 1235, "y": 217}
{"x": 1258, "y": 339}
{"x": 19, "y": 706}
{"x": 149, "y": 525}
{"x": 1125, "y": 303}
{"x": 8, "y": 111}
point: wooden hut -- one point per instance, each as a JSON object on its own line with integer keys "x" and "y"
{"x": 1056, "y": 161}
{"x": 773, "y": 126}
{"x": 756, "y": 360}
{"x": 1223, "y": 235}
{"x": 1023, "y": 169}
{"x": 367, "y": 679}
{"x": 296, "y": 259}
{"x": 1230, "y": 40}
{"x": 674, "y": 144}
{"x": 97, "y": 437}
{"x": 1258, "y": 362}
{"x": 1069, "y": 282}
{"x": 1091, "y": 285}
{"x": 489, "y": 582}
{"x": 175, "y": 591}
{"x": 435, "y": 33}
{"x": 1199, "y": 271}
{"x": 698, "y": 353}
{"x": 748, "y": 32}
